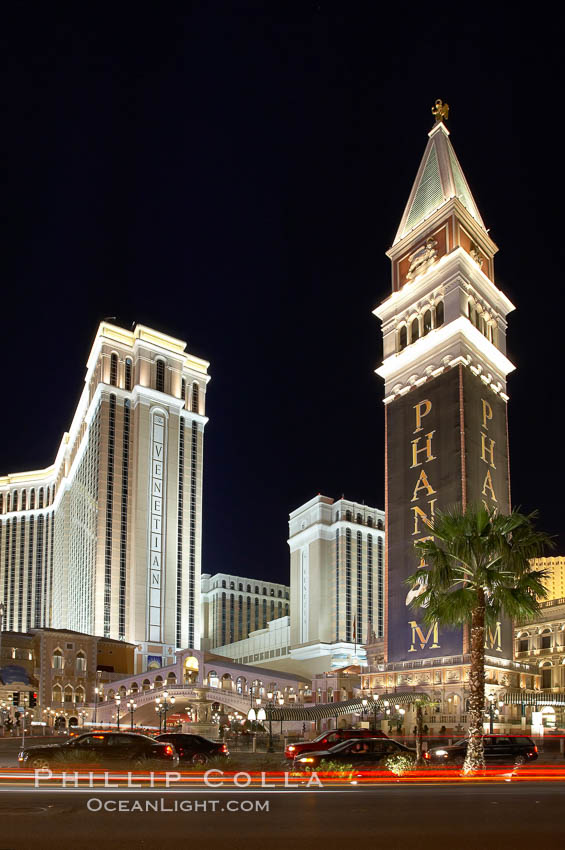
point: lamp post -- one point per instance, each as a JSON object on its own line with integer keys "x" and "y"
{"x": 132, "y": 706}
{"x": 270, "y": 705}
{"x": 163, "y": 705}
{"x": 281, "y": 703}
{"x": 118, "y": 701}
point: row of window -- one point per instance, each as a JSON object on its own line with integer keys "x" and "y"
{"x": 58, "y": 661}
{"x": 348, "y": 517}
{"x": 24, "y": 500}
{"x": 408, "y": 332}
{"x": 482, "y": 320}
{"x": 248, "y": 589}
{"x": 189, "y": 394}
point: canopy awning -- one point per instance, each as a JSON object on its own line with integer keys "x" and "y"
{"x": 319, "y": 711}
{"x": 533, "y": 698}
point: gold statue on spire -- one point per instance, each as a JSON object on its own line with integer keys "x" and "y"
{"x": 440, "y": 111}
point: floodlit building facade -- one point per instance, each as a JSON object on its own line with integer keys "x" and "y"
{"x": 555, "y": 582}
{"x": 336, "y": 578}
{"x": 107, "y": 540}
{"x": 233, "y": 607}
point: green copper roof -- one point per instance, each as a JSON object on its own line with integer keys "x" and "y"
{"x": 439, "y": 179}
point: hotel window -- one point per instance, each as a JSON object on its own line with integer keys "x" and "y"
{"x": 183, "y": 390}
{"x": 415, "y": 329}
{"x": 114, "y": 370}
{"x": 348, "y": 516}
{"x": 546, "y": 642}
{"x": 427, "y": 322}
{"x": 15, "y": 500}
{"x": 256, "y": 614}
{"x": 523, "y": 645}
{"x": 40, "y": 498}
{"x": 370, "y": 521}
{"x": 1, "y": 503}
{"x": 264, "y": 613}
{"x": 348, "y": 585}
{"x": 249, "y": 588}
{"x": 80, "y": 665}
{"x": 31, "y": 499}
{"x": 439, "y": 314}
{"x": 57, "y": 660}
{"x": 160, "y": 376}
{"x": 359, "y": 587}
{"x": 359, "y": 519}
{"x": 128, "y": 374}
{"x": 370, "y": 581}
{"x": 403, "y": 338}
{"x": 195, "y": 400}
{"x": 546, "y": 677}
{"x": 124, "y": 523}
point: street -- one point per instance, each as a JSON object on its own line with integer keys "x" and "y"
{"x": 392, "y": 816}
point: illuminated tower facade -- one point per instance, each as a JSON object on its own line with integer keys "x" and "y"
{"x": 107, "y": 540}
{"x": 445, "y": 369}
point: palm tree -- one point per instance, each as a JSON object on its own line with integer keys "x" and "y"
{"x": 474, "y": 570}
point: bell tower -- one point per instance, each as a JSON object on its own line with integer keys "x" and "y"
{"x": 445, "y": 369}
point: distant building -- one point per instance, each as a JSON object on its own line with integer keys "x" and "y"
{"x": 233, "y": 607}
{"x": 63, "y": 667}
{"x": 555, "y": 584}
{"x": 336, "y": 579}
{"x": 107, "y": 539}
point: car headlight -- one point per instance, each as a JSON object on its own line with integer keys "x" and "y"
{"x": 440, "y": 752}
{"x": 306, "y": 759}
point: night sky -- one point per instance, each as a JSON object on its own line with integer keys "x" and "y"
{"x": 232, "y": 174}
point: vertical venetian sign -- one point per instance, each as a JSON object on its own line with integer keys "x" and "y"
{"x": 424, "y": 474}
{"x": 304, "y": 595}
{"x": 156, "y": 514}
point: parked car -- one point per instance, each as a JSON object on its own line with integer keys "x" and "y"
{"x": 103, "y": 749}
{"x": 194, "y": 748}
{"x": 499, "y": 749}
{"x": 328, "y": 739}
{"x": 362, "y": 753}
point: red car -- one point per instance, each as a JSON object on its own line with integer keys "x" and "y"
{"x": 329, "y": 739}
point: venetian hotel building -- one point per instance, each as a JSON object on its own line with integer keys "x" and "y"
{"x": 107, "y": 539}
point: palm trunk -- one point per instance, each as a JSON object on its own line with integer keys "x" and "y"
{"x": 475, "y": 758}
{"x": 419, "y": 733}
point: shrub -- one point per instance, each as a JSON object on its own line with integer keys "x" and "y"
{"x": 399, "y": 764}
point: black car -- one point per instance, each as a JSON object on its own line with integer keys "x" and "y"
{"x": 499, "y": 749}
{"x": 103, "y": 749}
{"x": 363, "y": 753}
{"x": 194, "y": 748}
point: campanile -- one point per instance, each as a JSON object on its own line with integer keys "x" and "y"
{"x": 445, "y": 369}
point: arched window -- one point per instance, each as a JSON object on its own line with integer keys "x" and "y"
{"x": 427, "y": 322}
{"x": 57, "y": 660}
{"x": 80, "y": 665}
{"x": 7, "y": 503}
{"x": 264, "y": 591}
{"x": 402, "y": 338}
{"x": 183, "y": 390}
{"x": 232, "y": 585}
{"x": 370, "y": 521}
{"x": 249, "y": 588}
{"x": 359, "y": 519}
{"x": 32, "y": 499}
{"x": 40, "y": 498}
{"x": 256, "y": 589}
{"x": 68, "y": 694}
{"x": 272, "y": 591}
{"x": 224, "y": 583}
{"x": 286, "y": 610}
{"x": 439, "y": 314}
{"x": 414, "y": 329}
{"x": 57, "y": 695}
{"x": 1, "y": 503}
{"x": 348, "y": 516}
{"x": 380, "y": 524}
{"x": 160, "y": 376}
{"x": 240, "y": 586}
{"x": 195, "y": 400}
{"x": 79, "y": 696}
{"x": 114, "y": 370}
{"x": 128, "y": 374}
{"x": 15, "y": 500}
{"x": 280, "y": 594}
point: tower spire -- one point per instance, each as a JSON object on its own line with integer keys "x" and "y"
{"x": 439, "y": 179}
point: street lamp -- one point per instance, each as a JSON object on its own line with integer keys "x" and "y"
{"x": 163, "y": 705}
{"x": 132, "y": 706}
{"x": 281, "y": 703}
{"x": 270, "y": 706}
{"x": 118, "y": 701}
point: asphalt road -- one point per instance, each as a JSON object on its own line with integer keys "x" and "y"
{"x": 486, "y": 817}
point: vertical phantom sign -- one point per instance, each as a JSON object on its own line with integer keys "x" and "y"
{"x": 157, "y": 491}
{"x": 445, "y": 368}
